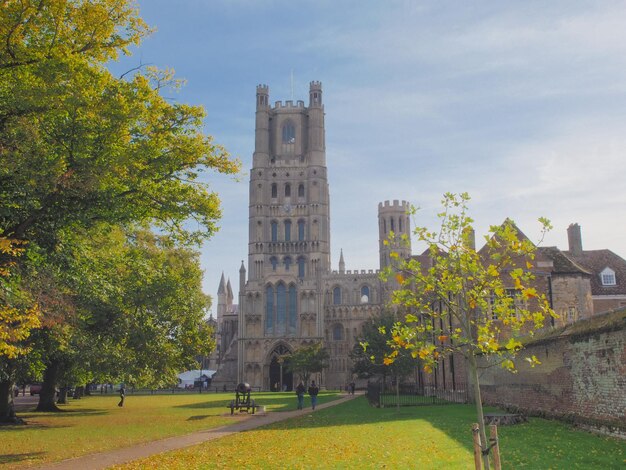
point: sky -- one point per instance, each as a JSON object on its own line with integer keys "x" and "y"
{"x": 521, "y": 104}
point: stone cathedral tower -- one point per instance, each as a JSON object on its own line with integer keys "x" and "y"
{"x": 291, "y": 297}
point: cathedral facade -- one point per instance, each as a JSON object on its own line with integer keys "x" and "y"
{"x": 289, "y": 296}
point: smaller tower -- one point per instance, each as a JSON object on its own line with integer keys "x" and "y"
{"x": 342, "y": 264}
{"x": 393, "y": 218}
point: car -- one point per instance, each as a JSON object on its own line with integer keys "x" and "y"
{"x": 35, "y": 389}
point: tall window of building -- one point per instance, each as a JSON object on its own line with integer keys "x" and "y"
{"x": 274, "y": 190}
{"x": 400, "y": 224}
{"x": 274, "y": 227}
{"x": 301, "y": 190}
{"x": 269, "y": 309}
{"x": 281, "y": 307}
{"x": 393, "y": 226}
{"x": 287, "y": 190}
{"x": 337, "y": 332}
{"x": 337, "y": 296}
{"x": 301, "y": 267}
{"x": 287, "y": 263}
{"x": 293, "y": 304}
{"x": 274, "y": 262}
{"x": 300, "y": 230}
{"x": 287, "y": 230}
{"x": 289, "y": 133}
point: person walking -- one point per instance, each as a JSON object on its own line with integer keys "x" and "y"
{"x": 300, "y": 394}
{"x": 122, "y": 395}
{"x": 313, "y": 391}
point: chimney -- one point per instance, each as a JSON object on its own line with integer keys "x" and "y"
{"x": 574, "y": 239}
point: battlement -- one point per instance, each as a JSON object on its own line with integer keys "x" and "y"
{"x": 395, "y": 205}
{"x": 289, "y": 104}
{"x": 315, "y": 85}
{"x": 262, "y": 88}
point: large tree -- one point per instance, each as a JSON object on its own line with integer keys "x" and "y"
{"x": 80, "y": 147}
{"x": 489, "y": 294}
{"x": 308, "y": 360}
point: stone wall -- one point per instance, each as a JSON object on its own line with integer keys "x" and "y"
{"x": 582, "y": 376}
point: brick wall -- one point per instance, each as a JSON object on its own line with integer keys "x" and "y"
{"x": 582, "y": 376}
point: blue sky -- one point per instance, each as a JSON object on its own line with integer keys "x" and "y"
{"x": 522, "y": 104}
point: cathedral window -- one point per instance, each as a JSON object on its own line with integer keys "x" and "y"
{"x": 289, "y": 133}
{"x": 293, "y": 304}
{"x": 287, "y": 230}
{"x": 269, "y": 308}
{"x": 287, "y": 261}
{"x": 337, "y": 296}
{"x": 337, "y": 332}
{"x": 384, "y": 226}
{"x": 287, "y": 190}
{"x": 274, "y": 190}
{"x": 400, "y": 224}
{"x": 274, "y": 226}
{"x": 274, "y": 262}
{"x": 281, "y": 307}
{"x": 301, "y": 267}
{"x": 301, "y": 190}
{"x": 365, "y": 294}
{"x": 300, "y": 230}
{"x": 393, "y": 227}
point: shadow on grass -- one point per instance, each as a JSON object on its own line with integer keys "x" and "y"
{"x": 199, "y": 417}
{"x": 12, "y": 458}
{"x": 272, "y": 401}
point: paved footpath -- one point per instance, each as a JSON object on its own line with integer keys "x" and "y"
{"x": 244, "y": 422}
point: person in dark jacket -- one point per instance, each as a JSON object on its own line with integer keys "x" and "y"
{"x": 300, "y": 394}
{"x": 313, "y": 391}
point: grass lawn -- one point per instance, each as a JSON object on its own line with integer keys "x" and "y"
{"x": 354, "y": 436}
{"x": 96, "y": 423}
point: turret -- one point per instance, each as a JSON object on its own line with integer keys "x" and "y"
{"x": 262, "y": 127}
{"x": 393, "y": 218}
{"x": 242, "y": 277}
{"x": 316, "y": 143}
{"x": 342, "y": 264}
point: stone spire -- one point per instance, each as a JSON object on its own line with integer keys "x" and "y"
{"x": 342, "y": 263}
{"x": 222, "y": 287}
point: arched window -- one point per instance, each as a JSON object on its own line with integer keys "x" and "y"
{"x": 384, "y": 226}
{"x": 287, "y": 230}
{"x": 365, "y": 294}
{"x": 293, "y": 304}
{"x": 400, "y": 224}
{"x": 301, "y": 266}
{"x": 269, "y": 308}
{"x": 337, "y": 332}
{"x": 274, "y": 226}
{"x": 274, "y": 262}
{"x": 337, "y": 295}
{"x": 289, "y": 133}
{"x": 281, "y": 307}
{"x": 393, "y": 227}
{"x": 287, "y": 190}
{"x": 300, "y": 230}
{"x": 274, "y": 190}
{"x": 287, "y": 261}
{"x": 300, "y": 190}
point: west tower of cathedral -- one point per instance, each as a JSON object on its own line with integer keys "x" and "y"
{"x": 289, "y": 296}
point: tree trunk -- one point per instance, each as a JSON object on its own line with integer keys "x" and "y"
{"x": 7, "y": 406}
{"x": 484, "y": 443}
{"x": 46, "y": 396}
{"x": 62, "y": 395}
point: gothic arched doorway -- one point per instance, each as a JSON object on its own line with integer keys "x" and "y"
{"x": 280, "y": 377}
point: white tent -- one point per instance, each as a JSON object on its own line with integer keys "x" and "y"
{"x": 187, "y": 379}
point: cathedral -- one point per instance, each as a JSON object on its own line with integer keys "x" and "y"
{"x": 289, "y": 296}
